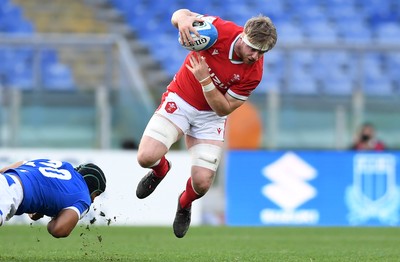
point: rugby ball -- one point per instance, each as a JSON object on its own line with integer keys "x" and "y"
{"x": 208, "y": 36}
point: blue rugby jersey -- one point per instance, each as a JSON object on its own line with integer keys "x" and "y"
{"x": 50, "y": 186}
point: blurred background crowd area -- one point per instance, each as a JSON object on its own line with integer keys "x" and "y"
{"x": 89, "y": 73}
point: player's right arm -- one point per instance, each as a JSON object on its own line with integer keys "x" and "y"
{"x": 183, "y": 20}
{"x": 63, "y": 224}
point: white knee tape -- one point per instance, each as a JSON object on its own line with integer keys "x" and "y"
{"x": 206, "y": 155}
{"x": 162, "y": 130}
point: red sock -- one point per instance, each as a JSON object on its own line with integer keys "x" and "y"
{"x": 161, "y": 169}
{"x": 189, "y": 195}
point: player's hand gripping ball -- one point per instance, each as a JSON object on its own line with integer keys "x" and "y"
{"x": 208, "y": 37}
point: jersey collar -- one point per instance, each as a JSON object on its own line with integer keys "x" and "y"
{"x": 231, "y": 52}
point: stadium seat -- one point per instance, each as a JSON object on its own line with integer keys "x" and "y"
{"x": 274, "y": 66}
{"x": 269, "y": 82}
{"x": 337, "y": 84}
{"x": 378, "y": 85}
{"x": 321, "y": 33}
{"x": 301, "y": 82}
{"x": 388, "y": 33}
{"x": 290, "y": 33}
{"x": 297, "y": 21}
{"x": 392, "y": 65}
{"x": 16, "y": 64}
{"x": 58, "y": 77}
{"x": 355, "y": 33}
{"x": 330, "y": 63}
{"x": 300, "y": 61}
{"x": 20, "y": 76}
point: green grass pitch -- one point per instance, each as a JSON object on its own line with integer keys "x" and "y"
{"x": 113, "y": 243}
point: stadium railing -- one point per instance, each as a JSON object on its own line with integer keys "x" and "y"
{"x": 328, "y": 119}
{"x": 116, "y": 107}
{"x": 95, "y": 112}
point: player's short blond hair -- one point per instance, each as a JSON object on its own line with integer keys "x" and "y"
{"x": 261, "y": 32}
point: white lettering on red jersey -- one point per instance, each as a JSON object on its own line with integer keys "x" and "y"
{"x": 228, "y": 73}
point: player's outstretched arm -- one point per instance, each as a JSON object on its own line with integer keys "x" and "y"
{"x": 63, "y": 224}
{"x": 15, "y": 165}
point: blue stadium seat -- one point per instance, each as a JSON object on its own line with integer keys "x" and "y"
{"x": 274, "y": 8}
{"x": 378, "y": 85}
{"x": 331, "y": 63}
{"x": 274, "y": 64}
{"x": 48, "y": 57}
{"x": 297, "y": 21}
{"x": 301, "y": 60}
{"x": 16, "y": 63}
{"x": 20, "y": 76}
{"x": 321, "y": 33}
{"x": 388, "y": 33}
{"x": 358, "y": 36}
{"x": 58, "y": 77}
{"x": 290, "y": 33}
{"x": 337, "y": 84}
{"x": 392, "y": 65}
{"x": 302, "y": 82}
{"x": 268, "y": 83}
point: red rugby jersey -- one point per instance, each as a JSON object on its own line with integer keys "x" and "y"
{"x": 228, "y": 73}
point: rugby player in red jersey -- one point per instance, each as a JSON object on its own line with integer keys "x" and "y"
{"x": 209, "y": 86}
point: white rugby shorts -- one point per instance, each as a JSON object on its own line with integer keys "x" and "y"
{"x": 11, "y": 195}
{"x": 193, "y": 122}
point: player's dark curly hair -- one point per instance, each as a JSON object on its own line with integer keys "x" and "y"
{"x": 94, "y": 177}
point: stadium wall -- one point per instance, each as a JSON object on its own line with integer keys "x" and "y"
{"x": 119, "y": 204}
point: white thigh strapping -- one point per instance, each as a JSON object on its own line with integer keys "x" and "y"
{"x": 162, "y": 130}
{"x": 206, "y": 155}
{"x": 11, "y": 196}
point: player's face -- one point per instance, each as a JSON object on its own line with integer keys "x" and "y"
{"x": 94, "y": 195}
{"x": 250, "y": 55}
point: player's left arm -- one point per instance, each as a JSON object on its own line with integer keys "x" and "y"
{"x": 63, "y": 224}
{"x": 15, "y": 165}
{"x": 221, "y": 104}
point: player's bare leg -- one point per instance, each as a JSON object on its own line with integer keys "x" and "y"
{"x": 206, "y": 155}
{"x": 196, "y": 187}
{"x": 159, "y": 135}
{"x": 151, "y": 155}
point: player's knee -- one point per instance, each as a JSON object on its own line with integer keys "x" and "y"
{"x": 201, "y": 187}
{"x": 145, "y": 160}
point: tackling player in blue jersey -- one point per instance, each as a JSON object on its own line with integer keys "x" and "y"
{"x": 45, "y": 187}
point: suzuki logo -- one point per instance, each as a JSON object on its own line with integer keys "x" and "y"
{"x": 289, "y": 190}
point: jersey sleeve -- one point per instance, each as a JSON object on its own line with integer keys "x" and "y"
{"x": 243, "y": 90}
{"x": 80, "y": 208}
